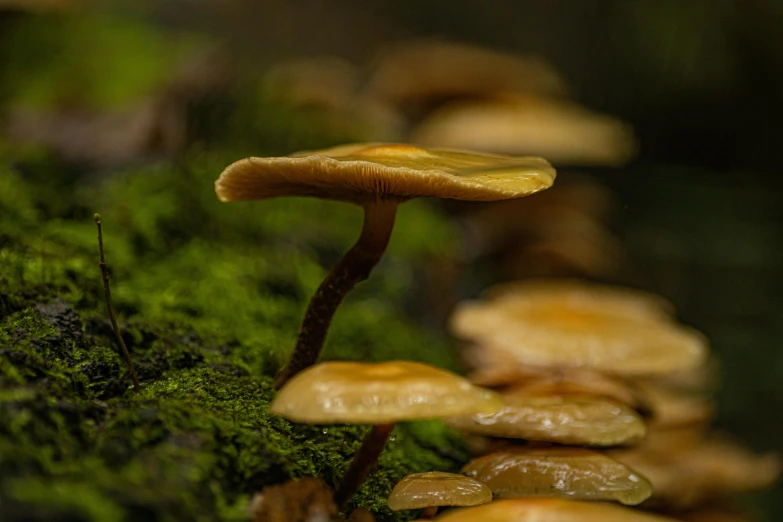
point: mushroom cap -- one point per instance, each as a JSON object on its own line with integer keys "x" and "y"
{"x": 366, "y": 172}
{"x": 564, "y": 132}
{"x": 684, "y": 474}
{"x": 590, "y": 421}
{"x": 365, "y": 393}
{"x": 672, "y": 407}
{"x": 436, "y": 488}
{"x": 423, "y": 73}
{"x": 569, "y": 382}
{"x": 549, "y": 510}
{"x": 562, "y": 472}
{"x": 595, "y": 327}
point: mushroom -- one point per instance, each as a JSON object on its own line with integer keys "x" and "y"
{"x": 565, "y": 132}
{"x": 378, "y": 394}
{"x": 560, "y": 472}
{"x": 421, "y": 74}
{"x": 686, "y": 472}
{"x": 592, "y": 421}
{"x": 433, "y": 489}
{"x": 549, "y": 510}
{"x": 597, "y": 328}
{"x": 377, "y": 177}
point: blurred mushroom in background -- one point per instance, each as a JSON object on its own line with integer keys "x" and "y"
{"x": 418, "y": 76}
{"x": 572, "y": 340}
{"x": 561, "y": 130}
{"x": 328, "y": 87}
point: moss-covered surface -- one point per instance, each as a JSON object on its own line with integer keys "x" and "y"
{"x": 209, "y": 297}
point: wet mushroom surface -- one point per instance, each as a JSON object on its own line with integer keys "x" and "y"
{"x": 591, "y": 421}
{"x": 558, "y": 472}
{"x": 378, "y": 394}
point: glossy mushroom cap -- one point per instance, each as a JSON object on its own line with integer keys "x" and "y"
{"x": 564, "y": 132}
{"x": 367, "y": 172}
{"x": 549, "y": 510}
{"x": 599, "y": 330}
{"x": 435, "y": 488}
{"x": 364, "y": 393}
{"x": 565, "y": 420}
{"x": 558, "y": 472}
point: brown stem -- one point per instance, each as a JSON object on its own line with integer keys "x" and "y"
{"x": 112, "y": 315}
{"x": 429, "y": 512}
{"x": 363, "y": 462}
{"x": 355, "y": 266}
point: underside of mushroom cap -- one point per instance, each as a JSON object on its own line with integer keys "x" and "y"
{"x": 365, "y": 393}
{"x": 367, "y": 172}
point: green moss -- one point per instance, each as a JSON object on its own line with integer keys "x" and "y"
{"x": 210, "y": 297}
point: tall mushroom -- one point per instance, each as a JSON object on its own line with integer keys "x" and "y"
{"x": 378, "y": 394}
{"x": 378, "y": 177}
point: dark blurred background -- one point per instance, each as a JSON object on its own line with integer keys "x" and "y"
{"x": 699, "y": 211}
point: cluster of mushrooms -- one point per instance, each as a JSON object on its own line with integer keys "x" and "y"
{"x": 583, "y": 400}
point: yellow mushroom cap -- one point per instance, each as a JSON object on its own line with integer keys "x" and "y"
{"x": 593, "y": 328}
{"x": 565, "y": 420}
{"x": 435, "y": 488}
{"x": 364, "y": 393}
{"x": 563, "y": 131}
{"x": 558, "y": 472}
{"x": 367, "y": 172}
{"x": 549, "y": 510}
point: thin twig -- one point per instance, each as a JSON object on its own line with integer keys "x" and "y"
{"x": 112, "y": 315}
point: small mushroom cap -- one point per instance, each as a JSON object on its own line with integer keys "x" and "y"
{"x": 563, "y": 131}
{"x": 435, "y": 488}
{"x": 596, "y": 327}
{"x": 565, "y": 420}
{"x": 558, "y": 472}
{"x": 366, "y": 172}
{"x": 549, "y": 510}
{"x": 364, "y": 393}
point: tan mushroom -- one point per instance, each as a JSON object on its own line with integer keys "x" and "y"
{"x": 563, "y": 131}
{"x": 596, "y": 327}
{"x": 685, "y": 473}
{"x": 433, "y": 489}
{"x": 377, "y": 177}
{"x": 549, "y": 510}
{"x": 574, "y": 473}
{"x": 592, "y": 421}
{"x": 424, "y": 73}
{"x": 378, "y": 394}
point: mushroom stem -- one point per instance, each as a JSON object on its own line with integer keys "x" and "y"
{"x": 362, "y": 463}
{"x": 355, "y": 266}
{"x": 429, "y": 512}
